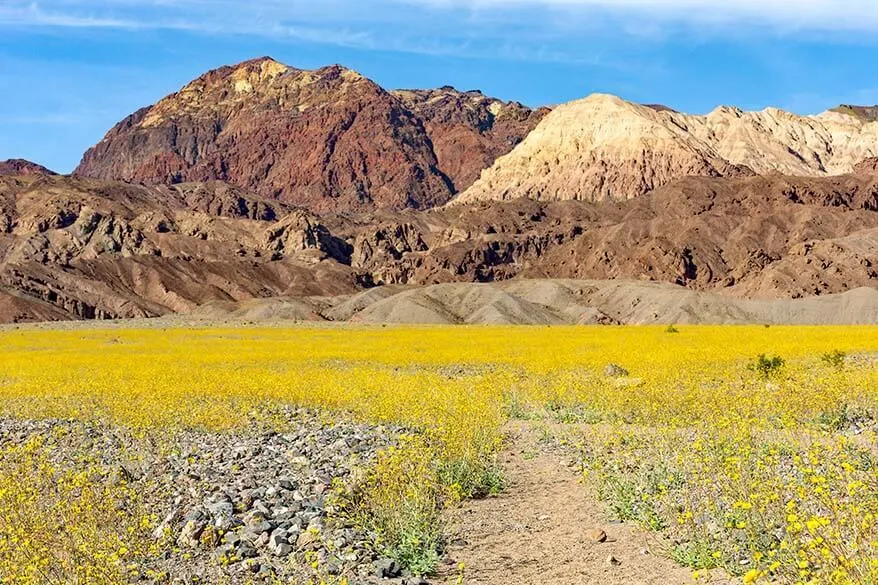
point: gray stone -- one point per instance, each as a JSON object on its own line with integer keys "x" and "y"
{"x": 260, "y": 527}
{"x": 224, "y": 509}
{"x": 387, "y": 569}
{"x": 245, "y": 550}
{"x": 615, "y": 371}
{"x": 190, "y": 533}
{"x": 283, "y": 550}
{"x": 277, "y": 538}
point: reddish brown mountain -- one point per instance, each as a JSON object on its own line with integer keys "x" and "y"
{"x": 469, "y": 130}
{"x": 327, "y": 140}
{"x": 767, "y": 237}
{"x": 18, "y": 166}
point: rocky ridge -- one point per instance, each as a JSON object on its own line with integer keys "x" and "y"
{"x": 81, "y": 248}
{"x": 604, "y": 148}
{"x": 469, "y": 130}
{"x": 84, "y": 249}
{"x": 18, "y": 166}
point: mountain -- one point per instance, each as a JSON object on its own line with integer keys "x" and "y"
{"x": 769, "y": 237}
{"x": 604, "y": 148}
{"x": 18, "y": 166}
{"x": 263, "y": 189}
{"x": 72, "y": 247}
{"x": 85, "y": 249}
{"x": 326, "y": 140}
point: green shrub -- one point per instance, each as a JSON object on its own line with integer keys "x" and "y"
{"x": 767, "y": 366}
{"x": 835, "y": 359}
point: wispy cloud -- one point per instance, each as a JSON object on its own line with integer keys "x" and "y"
{"x": 33, "y": 15}
{"x": 825, "y": 15}
{"x": 592, "y": 33}
{"x": 385, "y": 25}
{"x": 355, "y": 22}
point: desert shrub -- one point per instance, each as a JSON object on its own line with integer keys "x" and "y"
{"x": 766, "y": 366}
{"x": 398, "y": 503}
{"x": 834, "y": 359}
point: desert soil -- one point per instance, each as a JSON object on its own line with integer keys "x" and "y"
{"x": 535, "y": 532}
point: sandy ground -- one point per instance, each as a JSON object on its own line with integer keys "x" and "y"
{"x": 535, "y": 532}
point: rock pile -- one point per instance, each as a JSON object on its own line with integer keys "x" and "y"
{"x": 253, "y": 503}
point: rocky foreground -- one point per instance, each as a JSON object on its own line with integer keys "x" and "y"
{"x": 251, "y": 504}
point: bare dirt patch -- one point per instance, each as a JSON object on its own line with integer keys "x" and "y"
{"x": 538, "y": 531}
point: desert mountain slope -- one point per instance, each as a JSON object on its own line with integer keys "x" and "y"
{"x": 604, "y": 148}
{"x": 327, "y": 140}
{"x": 96, "y": 249}
{"x": 72, "y": 247}
{"x": 750, "y": 236}
{"x": 469, "y": 130}
{"x": 18, "y": 166}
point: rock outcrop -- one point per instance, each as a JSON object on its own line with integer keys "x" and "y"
{"x": 865, "y": 113}
{"x": 19, "y": 166}
{"x": 91, "y": 249}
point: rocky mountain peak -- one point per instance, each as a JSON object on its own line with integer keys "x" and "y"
{"x": 327, "y": 139}
{"x": 19, "y": 166}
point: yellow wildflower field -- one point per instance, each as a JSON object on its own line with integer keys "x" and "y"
{"x": 767, "y": 468}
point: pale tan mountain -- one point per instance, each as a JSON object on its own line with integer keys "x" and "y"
{"x": 604, "y": 148}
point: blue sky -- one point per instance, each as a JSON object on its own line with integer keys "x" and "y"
{"x": 70, "y": 69}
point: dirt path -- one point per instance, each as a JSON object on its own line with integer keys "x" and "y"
{"x": 535, "y": 532}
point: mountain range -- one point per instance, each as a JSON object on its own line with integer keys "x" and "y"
{"x": 262, "y": 181}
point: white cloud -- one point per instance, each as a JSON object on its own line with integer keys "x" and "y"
{"x": 33, "y": 15}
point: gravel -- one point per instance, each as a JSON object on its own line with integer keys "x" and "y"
{"x": 248, "y": 504}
